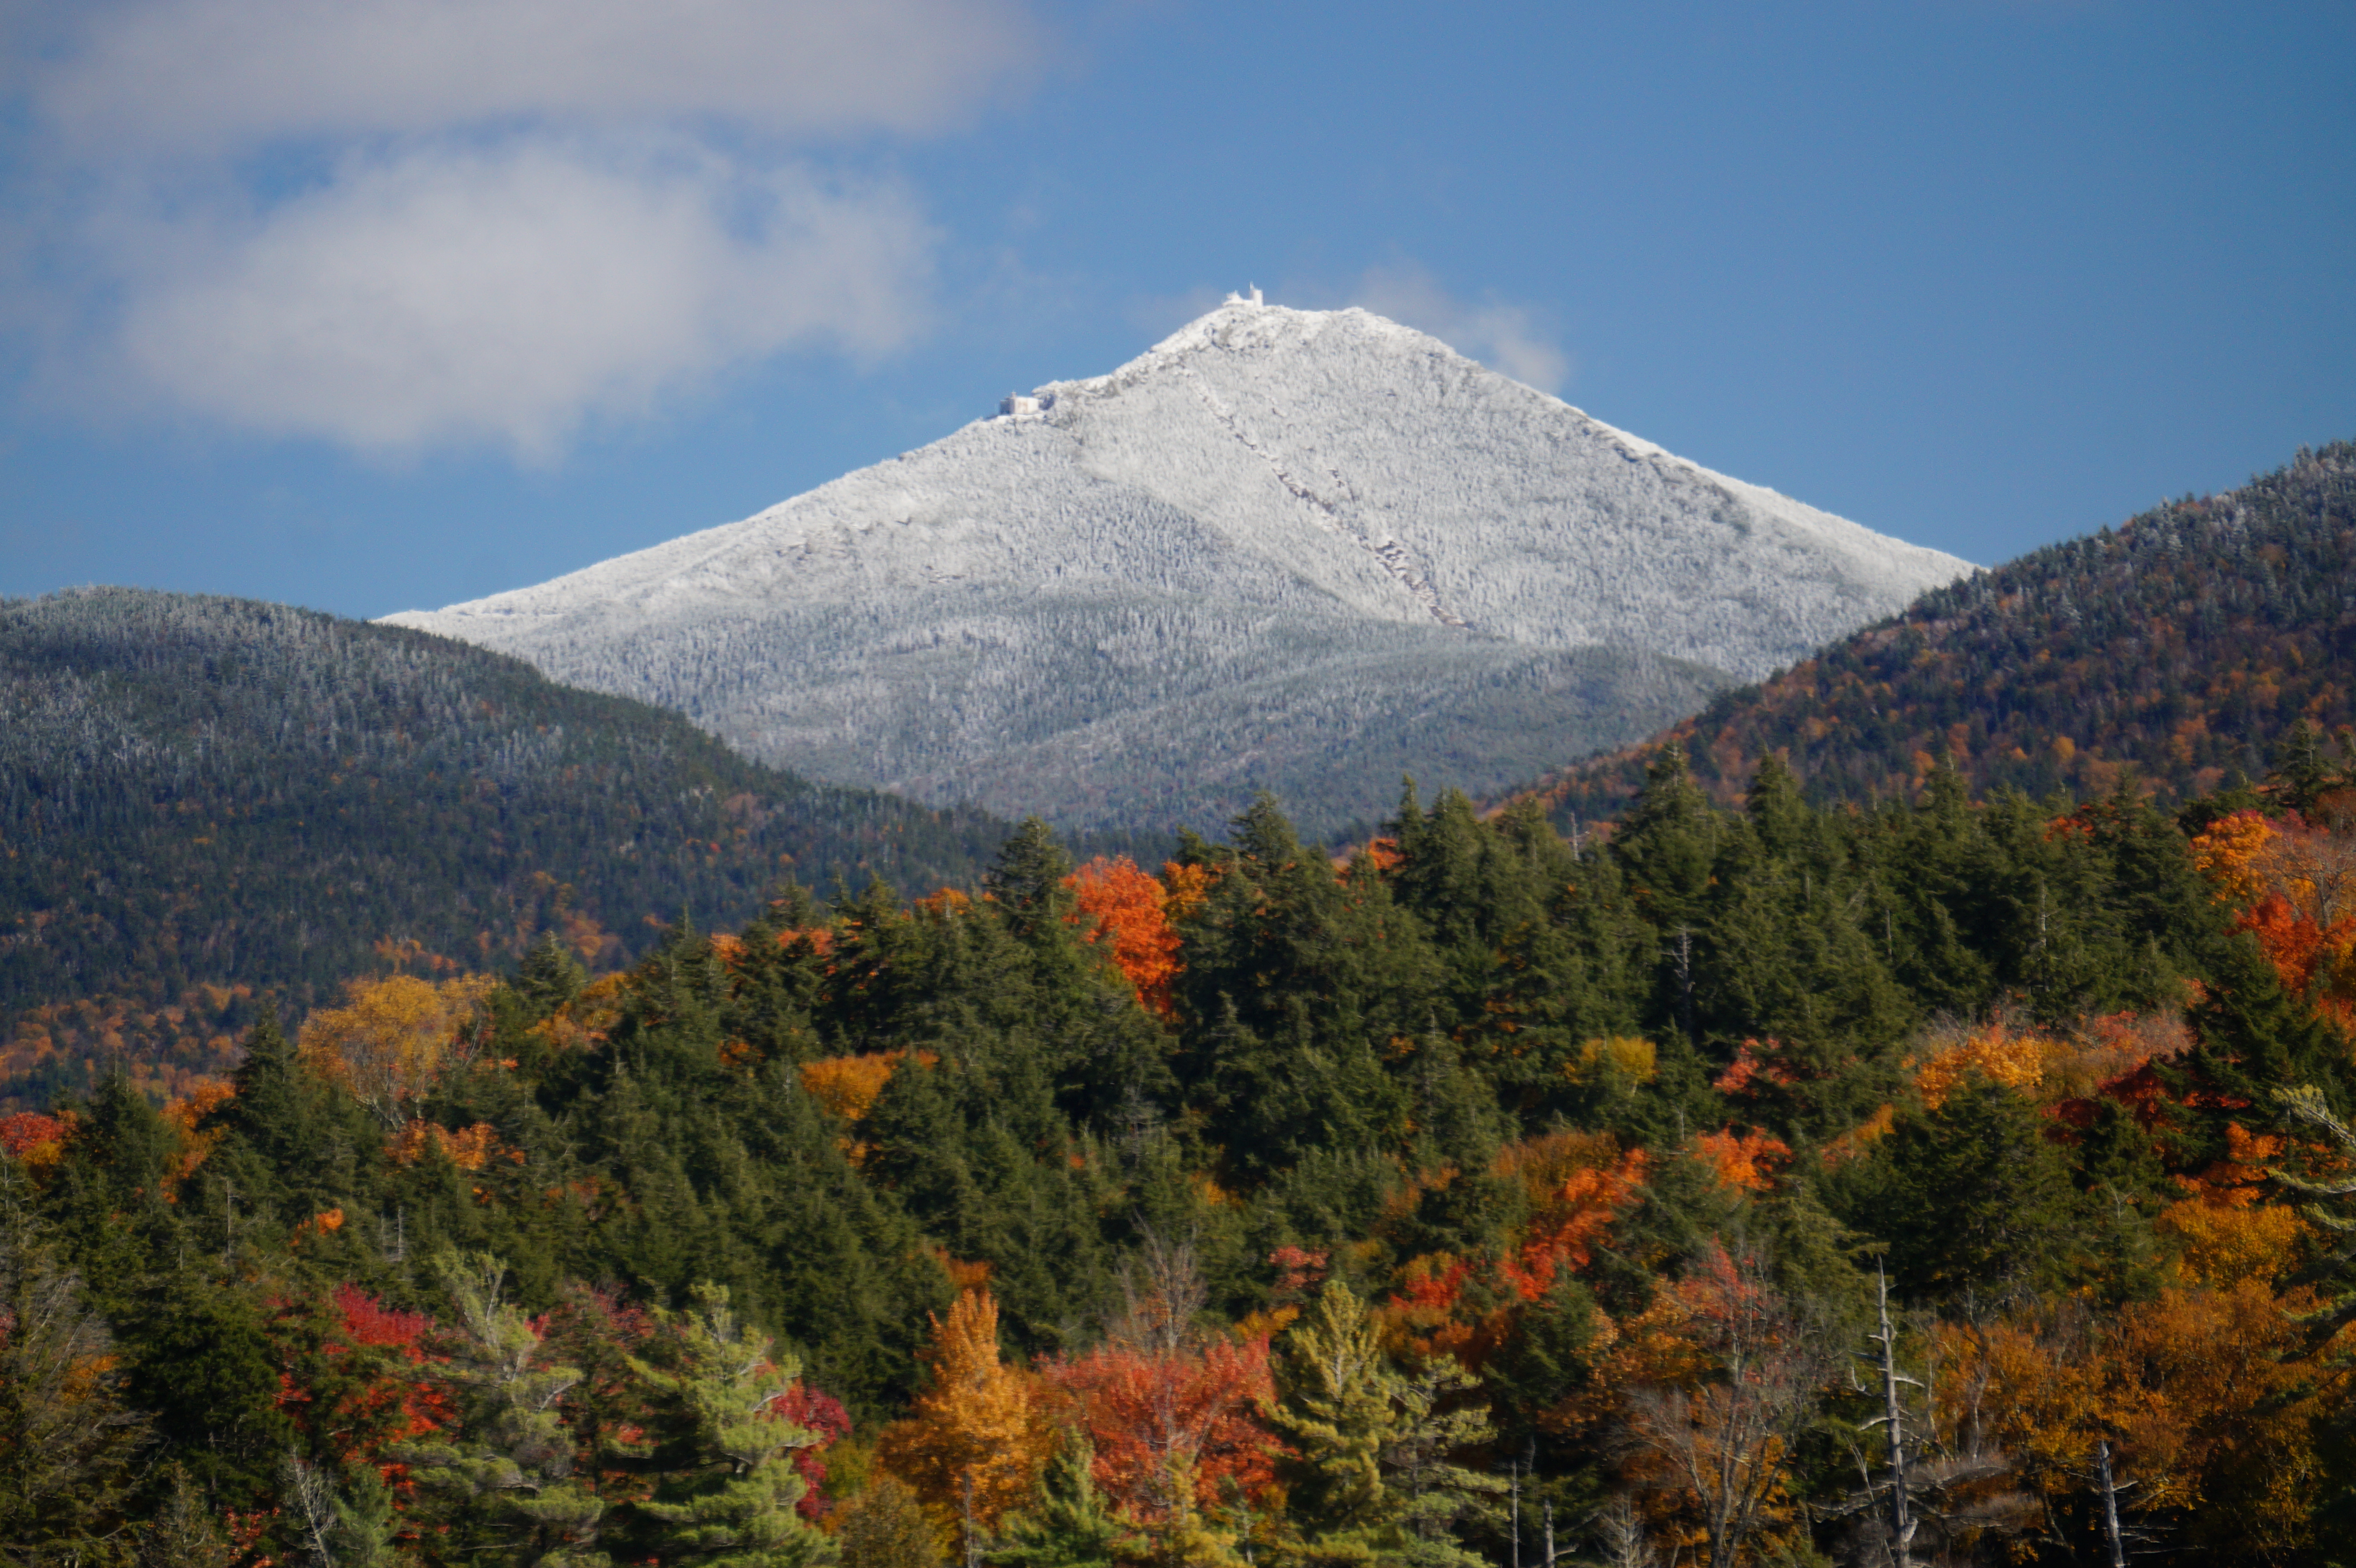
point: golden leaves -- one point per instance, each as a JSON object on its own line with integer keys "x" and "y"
{"x": 977, "y": 1438}
{"x": 392, "y": 1036}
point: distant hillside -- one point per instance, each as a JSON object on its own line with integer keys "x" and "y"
{"x": 2183, "y": 645}
{"x": 203, "y": 800}
{"x": 1303, "y": 552}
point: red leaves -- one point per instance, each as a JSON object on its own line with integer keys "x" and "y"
{"x": 813, "y": 1410}
{"x": 1300, "y": 1270}
{"x": 1173, "y": 1429}
{"x": 368, "y": 1321}
{"x": 29, "y": 1135}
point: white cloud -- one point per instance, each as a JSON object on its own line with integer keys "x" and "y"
{"x": 445, "y": 295}
{"x": 177, "y": 74}
{"x": 398, "y": 223}
{"x": 1508, "y": 338}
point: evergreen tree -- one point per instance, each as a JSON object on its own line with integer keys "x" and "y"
{"x": 1972, "y": 1198}
{"x": 505, "y": 1480}
{"x": 1069, "y": 1526}
{"x": 1027, "y": 881}
{"x": 207, "y": 1370}
{"x": 1374, "y": 1475}
{"x": 67, "y": 1439}
{"x": 733, "y": 1487}
{"x": 548, "y": 977}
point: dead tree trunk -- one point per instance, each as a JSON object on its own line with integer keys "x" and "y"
{"x": 1902, "y": 1522}
{"x": 2109, "y": 1485}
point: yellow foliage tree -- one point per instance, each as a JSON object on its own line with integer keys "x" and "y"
{"x": 975, "y": 1444}
{"x": 2211, "y": 1397}
{"x": 390, "y": 1037}
{"x": 2015, "y": 1061}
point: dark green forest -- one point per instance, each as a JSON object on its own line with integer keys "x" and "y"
{"x": 1945, "y": 1182}
{"x": 2179, "y": 647}
{"x": 205, "y": 802}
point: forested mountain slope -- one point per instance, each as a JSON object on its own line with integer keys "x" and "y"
{"x": 1298, "y": 551}
{"x": 1483, "y": 1198}
{"x": 2184, "y": 644}
{"x": 203, "y": 798}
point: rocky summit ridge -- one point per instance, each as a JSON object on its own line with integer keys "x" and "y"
{"x": 1300, "y": 550}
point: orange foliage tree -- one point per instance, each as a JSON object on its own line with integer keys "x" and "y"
{"x": 1130, "y": 909}
{"x": 1571, "y": 1210}
{"x": 1172, "y": 1410}
{"x": 849, "y": 1086}
{"x": 1746, "y": 1162}
{"x": 2209, "y": 1395}
{"x": 2296, "y": 886}
{"x": 1999, "y": 1054}
{"x": 1721, "y": 1379}
{"x": 973, "y": 1447}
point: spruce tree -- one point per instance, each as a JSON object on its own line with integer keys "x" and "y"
{"x": 207, "y": 1371}
{"x": 1972, "y": 1197}
{"x": 1069, "y": 1527}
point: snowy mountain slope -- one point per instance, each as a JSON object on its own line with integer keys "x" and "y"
{"x": 1301, "y": 550}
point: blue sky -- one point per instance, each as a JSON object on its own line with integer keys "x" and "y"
{"x": 384, "y": 304}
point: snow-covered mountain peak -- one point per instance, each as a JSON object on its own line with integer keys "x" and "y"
{"x": 1296, "y": 548}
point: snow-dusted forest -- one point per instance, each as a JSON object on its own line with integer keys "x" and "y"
{"x": 1304, "y": 551}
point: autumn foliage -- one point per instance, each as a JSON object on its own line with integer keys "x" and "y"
{"x": 976, "y": 1438}
{"x": 391, "y": 1037}
{"x": 2294, "y": 885}
{"x": 1130, "y": 910}
{"x": 1171, "y": 1411}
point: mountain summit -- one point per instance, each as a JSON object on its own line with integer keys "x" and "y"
{"x": 1301, "y": 550}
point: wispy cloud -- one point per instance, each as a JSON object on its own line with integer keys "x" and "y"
{"x": 1511, "y": 339}
{"x": 396, "y": 223}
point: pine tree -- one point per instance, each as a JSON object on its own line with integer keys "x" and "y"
{"x": 731, "y": 1498}
{"x": 352, "y": 1526}
{"x": 1376, "y": 1476}
{"x": 505, "y": 1480}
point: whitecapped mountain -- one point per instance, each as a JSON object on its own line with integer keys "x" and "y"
{"x": 1303, "y": 552}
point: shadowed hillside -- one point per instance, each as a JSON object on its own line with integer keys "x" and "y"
{"x": 206, "y": 799}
